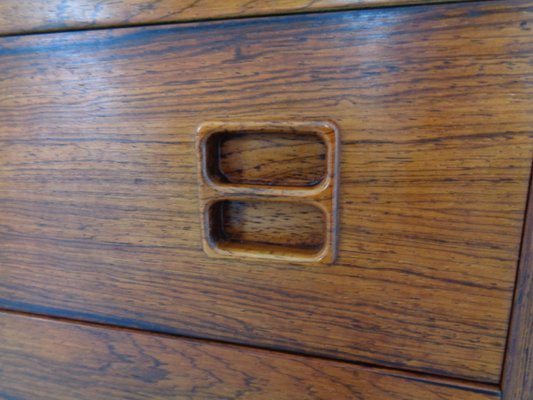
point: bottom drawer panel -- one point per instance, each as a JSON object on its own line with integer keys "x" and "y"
{"x": 50, "y": 359}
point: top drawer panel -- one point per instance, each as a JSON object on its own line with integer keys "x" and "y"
{"x": 99, "y": 202}
{"x": 18, "y": 16}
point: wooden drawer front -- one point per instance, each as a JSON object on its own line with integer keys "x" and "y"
{"x": 56, "y": 360}
{"x": 99, "y": 190}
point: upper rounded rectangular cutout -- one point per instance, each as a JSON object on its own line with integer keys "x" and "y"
{"x": 275, "y": 155}
{"x": 273, "y": 159}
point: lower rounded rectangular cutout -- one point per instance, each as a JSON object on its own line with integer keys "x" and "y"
{"x": 278, "y": 155}
{"x": 266, "y": 227}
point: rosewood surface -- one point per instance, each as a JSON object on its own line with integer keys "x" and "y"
{"x": 99, "y": 204}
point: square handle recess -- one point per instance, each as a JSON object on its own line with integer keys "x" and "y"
{"x": 269, "y": 190}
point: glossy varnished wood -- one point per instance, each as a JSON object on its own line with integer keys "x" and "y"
{"x": 22, "y": 16}
{"x": 518, "y": 372}
{"x": 99, "y": 211}
{"x": 45, "y": 359}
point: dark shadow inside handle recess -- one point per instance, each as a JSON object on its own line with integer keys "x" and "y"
{"x": 266, "y": 158}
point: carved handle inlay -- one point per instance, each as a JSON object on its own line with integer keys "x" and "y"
{"x": 269, "y": 190}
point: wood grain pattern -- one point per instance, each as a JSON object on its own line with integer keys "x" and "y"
{"x": 18, "y": 16}
{"x": 55, "y": 360}
{"x": 278, "y": 206}
{"x": 99, "y": 188}
{"x": 518, "y": 372}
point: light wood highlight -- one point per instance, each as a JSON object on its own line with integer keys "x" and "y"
{"x": 52, "y": 360}
{"x": 23, "y": 16}
{"x": 99, "y": 210}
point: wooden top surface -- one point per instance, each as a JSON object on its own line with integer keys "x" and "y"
{"x": 99, "y": 211}
{"x": 51, "y": 360}
{"x": 19, "y": 16}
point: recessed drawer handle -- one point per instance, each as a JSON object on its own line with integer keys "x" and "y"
{"x": 269, "y": 190}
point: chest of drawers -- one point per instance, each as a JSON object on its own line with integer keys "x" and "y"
{"x": 321, "y": 205}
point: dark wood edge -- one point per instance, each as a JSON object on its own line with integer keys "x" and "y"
{"x": 122, "y": 14}
{"x": 517, "y": 378}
